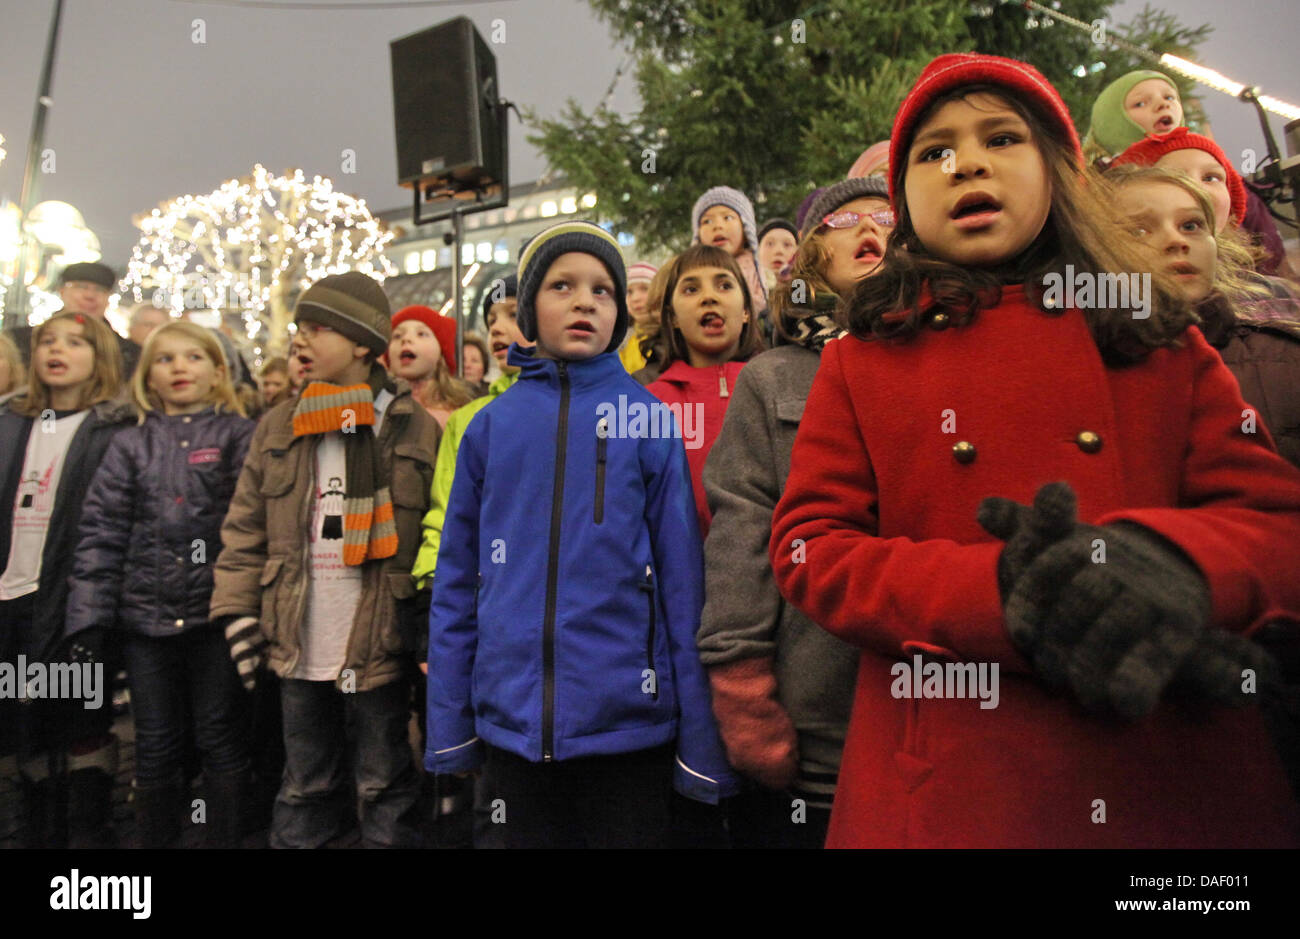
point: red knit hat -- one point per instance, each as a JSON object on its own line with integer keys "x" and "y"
{"x": 953, "y": 70}
{"x": 444, "y": 328}
{"x": 1149, "y": 150}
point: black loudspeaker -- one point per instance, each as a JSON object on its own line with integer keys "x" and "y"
{"x": 445, "y": 99}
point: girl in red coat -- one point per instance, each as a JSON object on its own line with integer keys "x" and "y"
{"x": 1043, "y": 523}
{"x": 709, "y": 332}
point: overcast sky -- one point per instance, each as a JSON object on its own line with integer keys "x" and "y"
{"x": 142, "y": 113}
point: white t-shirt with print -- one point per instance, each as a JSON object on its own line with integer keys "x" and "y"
{"x": 333, "y": 588}
{"x": 34, "y": 504}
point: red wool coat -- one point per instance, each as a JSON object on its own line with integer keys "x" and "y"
{"x": 710, "y": 388}
{"x": 893, "y": 561}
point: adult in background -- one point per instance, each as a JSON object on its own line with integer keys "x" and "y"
{"x": 145, "y": 318}
{"x": 84, "y": 287}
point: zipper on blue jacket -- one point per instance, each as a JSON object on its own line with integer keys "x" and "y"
{"x": 602, "y": 438}
{"x": 649, "y": 587}
{"x": 553, "y": 573}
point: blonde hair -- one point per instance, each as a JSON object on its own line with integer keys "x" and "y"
{"x": 9, "y": 352}
{"x": 450, "y": 390}
{"x": 223, "y": 391}
{"x": 105, "y": 377}
{"x": 1234, "y": 267}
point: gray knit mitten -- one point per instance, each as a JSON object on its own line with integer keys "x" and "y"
{"x": 1112, "y": 613}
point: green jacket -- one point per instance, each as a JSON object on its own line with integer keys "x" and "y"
{"x": 445, "y": 468}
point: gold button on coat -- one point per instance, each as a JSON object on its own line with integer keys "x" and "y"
{"x": 964, "y": 452}
{"x": 1088, "y": 441}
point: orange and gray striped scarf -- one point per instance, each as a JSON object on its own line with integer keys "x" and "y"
{"x": 368, "y": 528}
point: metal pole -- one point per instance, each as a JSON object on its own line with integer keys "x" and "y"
{"x": 16, "y": 309}
{"x": 457, "y": 291}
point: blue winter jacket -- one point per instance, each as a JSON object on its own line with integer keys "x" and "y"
{"x": 569, "y": 583}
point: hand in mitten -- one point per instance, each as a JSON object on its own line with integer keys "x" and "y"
{"x": 756, "y": 731}
{"x": 1027, "y": 531}
{"x": 247, "y": 648}
{"x": 1112, "y": 613}
{"x": 413, "y": 623}
{"x": 1216, "y": 669}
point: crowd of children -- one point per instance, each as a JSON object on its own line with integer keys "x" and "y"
{"x": 753, "y": 525}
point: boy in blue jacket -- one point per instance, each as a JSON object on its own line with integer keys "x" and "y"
{"x": 570, "y": 581}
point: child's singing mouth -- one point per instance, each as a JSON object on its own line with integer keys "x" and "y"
{"x": 975, "y": 210}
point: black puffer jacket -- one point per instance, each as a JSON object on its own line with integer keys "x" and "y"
{"x": 151, "y": 526}
{"x": 84, "y": 454}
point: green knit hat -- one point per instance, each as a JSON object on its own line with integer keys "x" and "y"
{"x": 1112, "y": 129}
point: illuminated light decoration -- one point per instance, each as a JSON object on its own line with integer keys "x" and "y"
{"x": 252, "y": 245}
{"x": 549, "y": 208}
{"x": 467, "y": 253}
{"x": 469, "y": 275}
{"x": 1198, "y": 73}
{"x": 483, "y": 252}
{"x": 429, "y": 259}
{"x": 568, "y": 205}
{"x": 589, "y": 201}
{"x": 412, "y": 262}
{"x": 1220, "y": 82}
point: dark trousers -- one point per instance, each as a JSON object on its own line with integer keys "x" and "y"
{"x": 180, "y": 677}
{"x": 326, "y": 729}
{"x": 618, "y": 801}
{"x": 764, "y": 818}
{"x": 43, "y": 725}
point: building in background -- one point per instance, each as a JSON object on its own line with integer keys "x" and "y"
{"x": 492, "y": 241}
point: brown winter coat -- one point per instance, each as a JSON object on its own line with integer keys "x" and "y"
{"x": 262, "y": 570}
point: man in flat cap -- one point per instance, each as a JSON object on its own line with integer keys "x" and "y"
{"x": 84, "y": 287}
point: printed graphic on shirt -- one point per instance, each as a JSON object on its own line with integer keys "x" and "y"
{"x": 330, "y": 502}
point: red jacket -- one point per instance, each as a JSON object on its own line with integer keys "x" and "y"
{"x": 893, "y": 561}
{"x": 710, "y": 388}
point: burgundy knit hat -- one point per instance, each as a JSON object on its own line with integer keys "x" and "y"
{"x": 953, "y": 70}
{"x": 444, "y": 329}
{"x": 1149, "y": 150}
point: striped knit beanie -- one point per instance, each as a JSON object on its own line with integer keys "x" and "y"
{"x": 732, "y": 199}
{"x": 353, "y": 304}
{"x": 643, "y": 271}
{"x": 566, "y": 237}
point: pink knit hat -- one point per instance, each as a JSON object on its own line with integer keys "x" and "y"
{"x": 641, "y": 271}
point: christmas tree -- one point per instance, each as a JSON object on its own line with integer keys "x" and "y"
{"x": 775, "y": 97}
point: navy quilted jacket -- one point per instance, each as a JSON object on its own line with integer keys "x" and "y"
{"x": 151, "y": 524}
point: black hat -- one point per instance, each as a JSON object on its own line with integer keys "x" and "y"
{"x": 509, "y": 284}
{"x": 778, "y": 223}
{"x": 90, "y": 271}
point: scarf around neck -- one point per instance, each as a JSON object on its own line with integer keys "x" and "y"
{"x": 369, "y": 531}
{"x": 815, "y": 326}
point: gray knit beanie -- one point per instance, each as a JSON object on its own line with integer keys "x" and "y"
{"x": 846, "y": 190}
{"x": 541, "y": 252}
{"x": 732, "y": 199}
